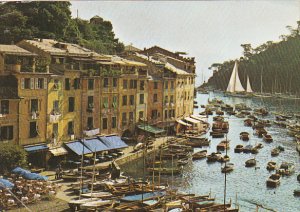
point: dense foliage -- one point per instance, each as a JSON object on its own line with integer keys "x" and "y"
{"x": 276, "y": 65}
{"x": 28, "y": 20}
{"x": 11, "y": 156}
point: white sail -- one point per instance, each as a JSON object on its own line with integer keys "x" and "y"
{"x": 235, "y": 84}
{"x": 248, "y": 89}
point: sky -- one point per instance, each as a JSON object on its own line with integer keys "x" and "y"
{"x": 210, "y": 31}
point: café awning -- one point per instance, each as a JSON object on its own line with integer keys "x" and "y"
{"x": 58, "y": 151}
{"x": 78, "y": 148}
{"x": 114, "y": 142}
{"x": 36, "y": 148}
{"x": 95, "y": 145}
{"x": 183, "y": 123}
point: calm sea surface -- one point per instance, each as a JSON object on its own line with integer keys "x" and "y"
{"x": 246, "y": 186}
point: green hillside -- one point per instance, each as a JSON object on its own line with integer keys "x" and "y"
{"x": 28, "y": 20}
{"x": 277, "y": 65}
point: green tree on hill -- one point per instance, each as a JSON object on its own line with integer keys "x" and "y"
{"x": 28, "y": 20}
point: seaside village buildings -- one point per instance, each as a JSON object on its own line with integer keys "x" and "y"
{"x": 54, "y": 94}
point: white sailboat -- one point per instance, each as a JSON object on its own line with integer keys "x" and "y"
{"x": 248, "y": 88}
{"x": 235, "y": 87}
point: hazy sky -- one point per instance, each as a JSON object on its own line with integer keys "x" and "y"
{"x": 211, "y": 31}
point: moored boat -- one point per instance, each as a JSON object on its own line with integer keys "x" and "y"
{"x": 248, "y": 148}
{"x": 223, "y": 145}
{"x": 273, "y": 181}
{"x": 166, "y": 171}
{"x": 238, "y": 148}
{"x": 216, "y": 134}
{"x": 275, "y": 152}
{"x": 267, "y": 138}
{"x": 227, "y": 168}
{"x": 213, "y": 157}
{"x": 199, "y": 155}
{"x": 297, "y": 192}
{"x": 271, "y": 166}
{"x": 286, "y": 169}
{"x": 244, "y": 136}
{"x": 94, "y": 205}
{"x": 251, "y": 162}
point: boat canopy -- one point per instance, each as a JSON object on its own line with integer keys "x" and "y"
{"x": 200, "y": 118}
{"x": 150, "y": 129}
{"x": 194, "y": 121}
{"x": 183, "y": 123}
{"x": 235, "y": 84}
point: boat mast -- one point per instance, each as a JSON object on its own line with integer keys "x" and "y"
{"x": 261, "y": 81}
{"x": 225, "y": 178}
{"x": 93, "y": 177}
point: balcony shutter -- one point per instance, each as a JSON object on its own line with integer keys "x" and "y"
{"x": 22, "y": 83}
{"x": 45, "y": 83}
{"x": 36, "y": 80}
{"x": 32, "y": 83}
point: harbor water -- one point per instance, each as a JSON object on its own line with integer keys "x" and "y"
{"x": 244, "y": 186}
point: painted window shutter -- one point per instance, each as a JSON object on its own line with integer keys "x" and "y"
{"x": 22, "y": 83}
{"x": 32, "y": 83}
{"x": 45, "y": 83}
{"x": 36, "y": 80}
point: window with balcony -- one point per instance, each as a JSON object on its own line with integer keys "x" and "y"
{"x": 124, "y": 100}
{"x": 125, "y": 84}
{"x": 155, "y": 99}
{"x": 55, "y": 130}
{"x": 56, "y": 107}
{"x": 105, "y": 102}
{"x": 115, "y": 102}
{"x": 141, "y": 114}
{"x": 67, "y": 84}
{"x": 27, "y": 83}
{"x": 172, "y": 84}
{"x": 171, "y": 99}
{"x": 166, "y": 84}
{"x": 155, "y": 85}
{"x": 154, "y": 114}
{"x": 4, "y": 107}
{"x": 90, "y": 103}
{"x": 90, "y": 123}
{"x": 142, "y": 99}
{"x": 104, "y": 123}
{"x": 166, "y": 99}
{"x": 33, "y": 130}
{"x": 56, "y": 84}
{"x": 77, "y": 83}
{"x": 131, "y": 100}
{"x": 70, "y": 128}
{"x": 166, "y": 114}
{"x": 113, "y": 122}
{"x": 105, "y": 82}
{"x": 115, "y": 82}
{"x": 90, "y": 84}
{"x": 40, "y": 84}
{"x": 131, "y": 116}
{"x": 124, "y": 118}
{"x": 34, "y": 105}
{"x": 142, "y": 85}
{"x": 133, "y": 84}
{"x": 6, "y": 133}
{"x": 71, "y": 104}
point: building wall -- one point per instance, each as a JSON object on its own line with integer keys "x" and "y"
{"x": 158, "y": 105}
{"x": 26, "y": 116}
